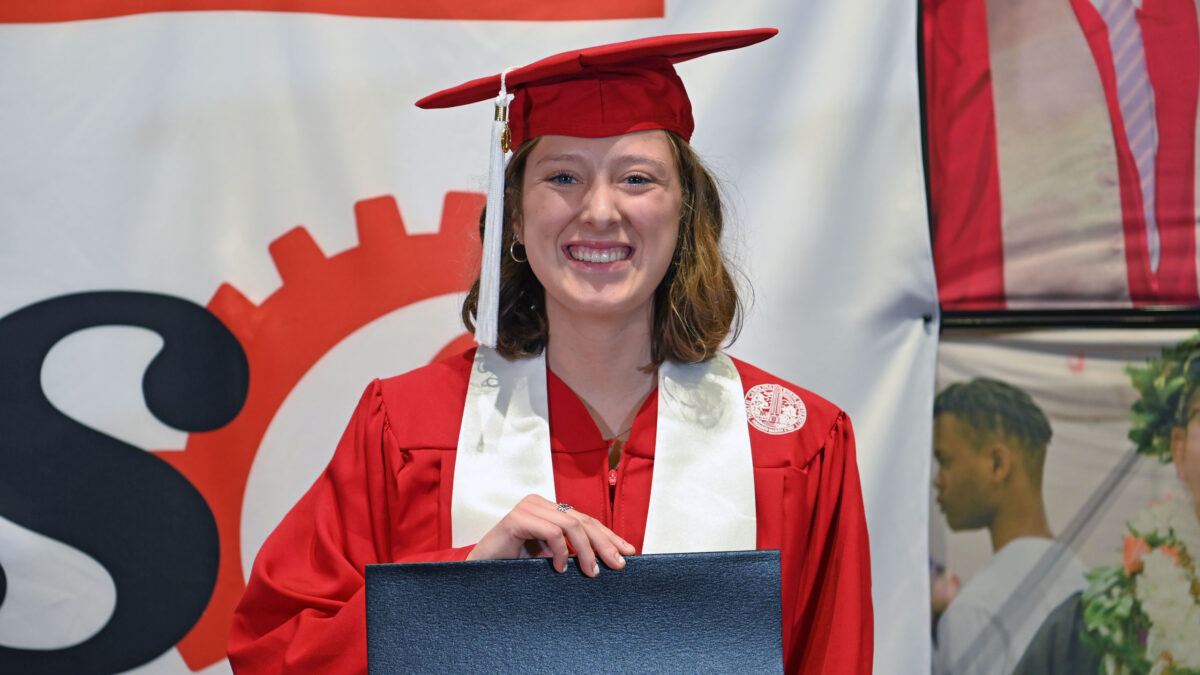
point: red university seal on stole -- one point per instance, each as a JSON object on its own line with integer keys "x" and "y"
{"x": 774, "y": 409}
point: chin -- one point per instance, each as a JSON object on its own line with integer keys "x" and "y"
{"x": 604, "y": 307}
{"x": 600, "y": 312}
{"x": 959, "y": 525}
{"x": 954, "y": 522}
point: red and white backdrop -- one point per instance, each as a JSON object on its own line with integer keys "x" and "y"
{"x": 219, "y": 220}
{"x": 1063, "y": 152}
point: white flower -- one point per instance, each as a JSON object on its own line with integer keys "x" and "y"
{"x": 1154, "y": 521}
{"x": 1164, "y": 590}
{"x": 1189, "y": 655}
{"x": 1167, "y": 594}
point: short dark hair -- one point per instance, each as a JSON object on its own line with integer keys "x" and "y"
{"x": 696, "y": 306}
{"x": 992, "y": 407}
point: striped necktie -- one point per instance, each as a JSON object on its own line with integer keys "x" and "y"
{"x": 1137, "y": 105}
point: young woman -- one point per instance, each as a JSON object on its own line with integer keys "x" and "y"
{"x": 601, "y": 412}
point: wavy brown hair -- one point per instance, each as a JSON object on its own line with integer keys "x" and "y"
{"x": 695, "y": 307}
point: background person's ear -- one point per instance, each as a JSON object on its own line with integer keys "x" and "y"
{"x": 1000, "y": 460}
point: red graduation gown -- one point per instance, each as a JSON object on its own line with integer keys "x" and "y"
{"x": 385, "y": 497}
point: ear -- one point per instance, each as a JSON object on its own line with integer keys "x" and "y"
{"x": 1000, "y": 462}
{"x": 1178, "y": 449}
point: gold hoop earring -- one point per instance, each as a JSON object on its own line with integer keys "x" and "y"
{"x": 512, "y": 251}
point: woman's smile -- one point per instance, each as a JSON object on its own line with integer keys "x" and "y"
{"x": 598, "y": 253}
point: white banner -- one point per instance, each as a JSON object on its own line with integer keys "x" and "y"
{"x": 271, "y": 167}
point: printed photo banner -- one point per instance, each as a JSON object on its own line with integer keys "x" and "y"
{"x": 1062, "y": 152}
{"x": 1048, "y": 561}
{"x": 219, "y": 225}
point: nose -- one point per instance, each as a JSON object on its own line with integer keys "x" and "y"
{"x": 599, "y": 208}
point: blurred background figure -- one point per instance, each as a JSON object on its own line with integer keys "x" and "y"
{"x": 990, "y": 442}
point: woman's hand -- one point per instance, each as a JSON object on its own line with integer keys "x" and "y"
{"x": 536, "y": 528}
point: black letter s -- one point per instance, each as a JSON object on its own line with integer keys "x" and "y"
{"x": 130, "y": 511}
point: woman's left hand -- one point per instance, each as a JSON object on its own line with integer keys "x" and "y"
{"x": 538, "y": 528}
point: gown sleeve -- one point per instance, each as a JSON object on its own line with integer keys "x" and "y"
{"x": 833, "y": 630}
{"x": 304, "y": 608}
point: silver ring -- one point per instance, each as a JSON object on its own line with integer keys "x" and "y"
{"x": 563, "y": 507}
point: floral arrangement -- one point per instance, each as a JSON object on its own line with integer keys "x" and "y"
{"x": 1143, "y": 616}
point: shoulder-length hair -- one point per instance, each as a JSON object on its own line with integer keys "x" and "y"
{"x": 695, "y": 307}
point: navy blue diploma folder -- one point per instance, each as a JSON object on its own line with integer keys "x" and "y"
{"x": 678, "y": 612}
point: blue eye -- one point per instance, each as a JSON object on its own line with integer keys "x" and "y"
{"x": 561, "y": 179}
{"x": 637, "y": 180}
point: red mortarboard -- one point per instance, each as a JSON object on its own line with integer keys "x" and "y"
{"x": 592, "y": 93}
{"x": 601, "y": 91}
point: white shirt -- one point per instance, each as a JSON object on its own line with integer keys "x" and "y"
{"x": 991, "y": 621}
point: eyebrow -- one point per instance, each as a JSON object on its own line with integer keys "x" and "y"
{"x": 561, "y": 157}
{"x": 621, "y": 160}
{"x": 639, "y": 159}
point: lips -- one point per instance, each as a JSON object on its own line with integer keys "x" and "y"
{"x": 598, "y": 254}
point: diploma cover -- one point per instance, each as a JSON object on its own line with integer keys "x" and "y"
{"x": 694, "y": 612}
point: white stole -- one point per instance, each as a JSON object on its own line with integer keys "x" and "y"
{"x": 702, "y": 495}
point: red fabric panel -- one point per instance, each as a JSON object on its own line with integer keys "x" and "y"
{"x": 1172, "y": 38}
{"x": 19, "y": 11}
{"x": 964, "y": 182}
{"x": 1169, "y": 33}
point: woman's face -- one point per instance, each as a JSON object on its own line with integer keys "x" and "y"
{"x": 599, "y": 221}
{"x": 1185, "y": 450}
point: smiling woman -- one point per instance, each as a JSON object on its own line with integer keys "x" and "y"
{"x": 600, "y": 418}
{"x": 695, "y": 304}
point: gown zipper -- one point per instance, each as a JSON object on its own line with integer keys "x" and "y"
{"x": 612, "y": 477}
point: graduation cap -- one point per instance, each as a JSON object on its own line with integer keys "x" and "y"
{"x": 591, "y": 93}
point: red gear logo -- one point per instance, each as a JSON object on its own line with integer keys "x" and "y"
{"x": 321, "y": 301}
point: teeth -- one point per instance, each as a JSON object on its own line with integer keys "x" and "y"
{"x": 594, "y": 255}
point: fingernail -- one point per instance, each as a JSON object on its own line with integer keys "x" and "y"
{"x": 620, "y": 559}
{"x": 595, "y": 568}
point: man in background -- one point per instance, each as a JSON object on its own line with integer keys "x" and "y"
{"x": 990, "y": 442}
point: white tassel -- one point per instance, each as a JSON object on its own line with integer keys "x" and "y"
{"x": 487, "y": 311}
